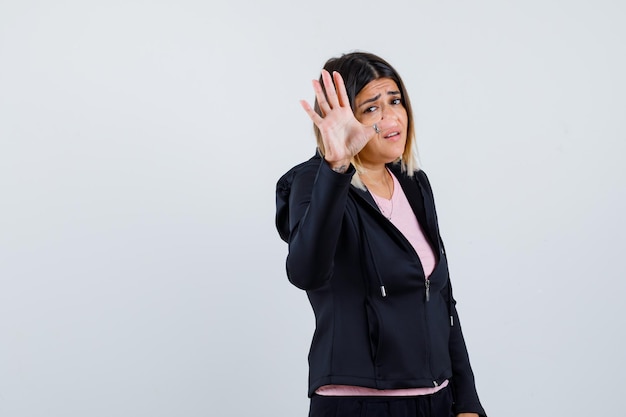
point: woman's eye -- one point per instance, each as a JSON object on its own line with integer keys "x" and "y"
{"x": 371, "y": 109}
{"x": 396, "y": 101}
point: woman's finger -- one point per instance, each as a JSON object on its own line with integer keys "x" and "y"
{"x": 331, "y": 93}
{"x": 341, "y": 90}
{"x": 321, "y": 98}
{"x": 315, "y": 118}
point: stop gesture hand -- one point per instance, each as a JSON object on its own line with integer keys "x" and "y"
{"x": 342, "y": 134}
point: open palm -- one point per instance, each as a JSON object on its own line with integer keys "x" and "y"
{"x": 342, "y": 134}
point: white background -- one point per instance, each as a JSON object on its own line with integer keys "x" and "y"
{"x": 140, "y": 143}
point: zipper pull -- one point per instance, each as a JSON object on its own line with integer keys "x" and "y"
{"x": 427, "y": 284}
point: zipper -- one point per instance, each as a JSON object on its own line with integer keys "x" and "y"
{"x": 427, "y": 338}
{"x": 427, "y": 285}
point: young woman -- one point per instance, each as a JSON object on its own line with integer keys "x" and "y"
{"x": 360, "y": 221}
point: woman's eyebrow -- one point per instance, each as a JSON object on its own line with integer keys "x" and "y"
{"x": 370, "y": 100}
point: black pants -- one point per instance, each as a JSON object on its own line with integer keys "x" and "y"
{"x": 438, "y": 404}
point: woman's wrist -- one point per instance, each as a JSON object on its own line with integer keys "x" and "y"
{"x": 339, "y": 166}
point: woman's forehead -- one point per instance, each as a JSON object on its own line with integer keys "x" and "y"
{"x": 379, "y": 86}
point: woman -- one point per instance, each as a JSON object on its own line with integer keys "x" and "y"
{"x": 360, "y": 221}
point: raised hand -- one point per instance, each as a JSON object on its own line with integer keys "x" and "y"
{"x": 342, "y": 134}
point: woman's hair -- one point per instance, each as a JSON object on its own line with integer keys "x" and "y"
{"x": 357, "y": 70}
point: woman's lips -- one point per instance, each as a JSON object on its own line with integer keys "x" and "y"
{"x": 392, "y": 136}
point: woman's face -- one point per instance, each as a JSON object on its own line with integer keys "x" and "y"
{"x": 380, "y": 102}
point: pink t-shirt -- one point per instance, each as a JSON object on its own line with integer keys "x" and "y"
{"x": 399, "y": 212}
{"x": 353, "y": 391}
{"x": 404, "y": 219}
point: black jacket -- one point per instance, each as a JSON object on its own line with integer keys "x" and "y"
{"x": 374, "y": 325}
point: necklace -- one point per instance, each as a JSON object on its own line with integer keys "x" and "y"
{"x": 378, "y": 201}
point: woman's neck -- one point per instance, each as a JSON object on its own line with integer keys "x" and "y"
{"x": 378, "y": 180}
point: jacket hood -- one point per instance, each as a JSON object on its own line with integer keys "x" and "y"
{"x": 283, "y": 190}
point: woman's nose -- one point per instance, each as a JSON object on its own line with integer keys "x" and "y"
{"x": 387, "y": 113}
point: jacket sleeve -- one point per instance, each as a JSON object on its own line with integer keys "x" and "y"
{"x": 463, "y": 384}
{"x": 317, "y": 204}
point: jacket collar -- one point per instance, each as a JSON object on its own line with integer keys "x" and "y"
{"x": 419, "y": 199}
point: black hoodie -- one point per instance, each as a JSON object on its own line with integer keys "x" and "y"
{"x": 380, "y": 323}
